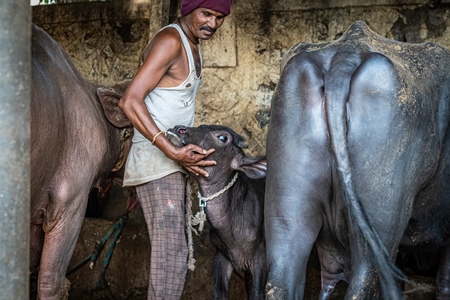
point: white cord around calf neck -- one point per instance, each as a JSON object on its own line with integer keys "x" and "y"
{"x": 200, "y": 218}
{"x": 205, "y": 199}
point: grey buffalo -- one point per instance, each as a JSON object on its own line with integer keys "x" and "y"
{"x": 358, "y": 160}
{"x": 75, "y": 144}
{"x": 234, "y": 196}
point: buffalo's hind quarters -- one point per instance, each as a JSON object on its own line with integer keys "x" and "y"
{"x": 358, "y": 160}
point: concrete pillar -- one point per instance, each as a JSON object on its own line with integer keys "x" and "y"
{"x": 15, "y": 73}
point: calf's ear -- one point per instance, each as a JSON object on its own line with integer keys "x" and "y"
{"x": 253, "y": 167}
{"x": 110, "y": 102}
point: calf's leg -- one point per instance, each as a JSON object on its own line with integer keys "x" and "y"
{"x": 222, "y": 270}
{"x": 443, "y": 275}
{"x": 257, "y": 278}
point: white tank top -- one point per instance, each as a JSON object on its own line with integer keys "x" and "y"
{"x": 168, "y": 106}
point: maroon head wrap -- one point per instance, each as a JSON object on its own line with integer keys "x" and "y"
{"x": 222, "y": 6}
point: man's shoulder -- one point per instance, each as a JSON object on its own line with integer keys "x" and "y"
{"x": 167, "y": 40}
{"x": 169, "y": 35}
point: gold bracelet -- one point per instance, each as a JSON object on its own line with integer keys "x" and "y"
{"x": 154, "y": 138}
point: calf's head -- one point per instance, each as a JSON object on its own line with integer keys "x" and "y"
{"x": 228, "y": 152}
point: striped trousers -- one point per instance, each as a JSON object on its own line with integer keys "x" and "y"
{"x": 163, "y": 204}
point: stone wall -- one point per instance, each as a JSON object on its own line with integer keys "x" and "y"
{"x": 242, "y": 61}
{"x": 104, "y": 39}
{"x": 240, "y": 96}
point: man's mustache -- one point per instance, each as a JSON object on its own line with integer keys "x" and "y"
{"x": 206, "y": 27}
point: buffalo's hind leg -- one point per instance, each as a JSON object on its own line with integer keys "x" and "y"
{"x": 36, "y": 244}
{"x": 298, "y": 175}
{"x": 376, "y": 183}
{"x": 62, "y": 226}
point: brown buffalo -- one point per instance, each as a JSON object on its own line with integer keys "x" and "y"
{"x": 75, "y": 144}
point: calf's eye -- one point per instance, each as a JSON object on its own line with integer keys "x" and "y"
{"x": 223, "y": 138}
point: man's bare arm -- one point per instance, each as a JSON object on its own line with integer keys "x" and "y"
{"x": 163, "y": 53}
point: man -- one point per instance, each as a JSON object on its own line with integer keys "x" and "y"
{"x": 162, "y": 95}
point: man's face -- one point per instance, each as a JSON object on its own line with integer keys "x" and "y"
{"x": 206, "y": 22}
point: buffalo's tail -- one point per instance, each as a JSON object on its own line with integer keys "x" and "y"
{"x": 336, "y": 94}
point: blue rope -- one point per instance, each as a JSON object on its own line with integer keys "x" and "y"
{"x": 119, "y": 226}
{"x": 116, "y": 230}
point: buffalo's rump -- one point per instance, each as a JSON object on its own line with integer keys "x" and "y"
{"x": 358, "y": 151}
{"x": 68, "y": 128}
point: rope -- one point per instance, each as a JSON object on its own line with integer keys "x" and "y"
{"x": 117, "y": 231}
{"x": 200, "y": 218}
{"x": 205, "y": 199}
{"x": 191, "y": 259}
{"x": 99, "y": 248}
{"x": 102, "y": 282}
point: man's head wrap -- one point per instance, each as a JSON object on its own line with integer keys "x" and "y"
{"x": 222, "y": 6}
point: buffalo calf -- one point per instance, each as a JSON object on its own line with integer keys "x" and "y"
{"x": 234, "y": 193}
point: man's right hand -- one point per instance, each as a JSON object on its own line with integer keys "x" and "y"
{"x": 191, "y": 157}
